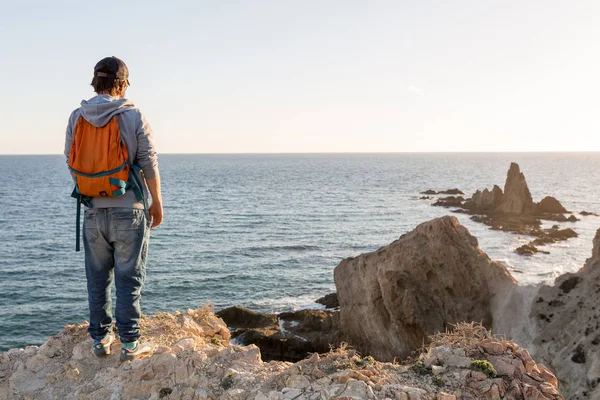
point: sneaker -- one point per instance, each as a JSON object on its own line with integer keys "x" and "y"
{"x": 137, "y": 351}
{"x": 101, "y": 347}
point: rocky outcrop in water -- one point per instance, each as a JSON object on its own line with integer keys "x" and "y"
{"x": 517, "y": 198}
{"x": 529, "y": 250}
{"x": 550, "y": 205}
{"x": 486, "y": 199}
{"x": 513, "y": 210}
{"x": 288, "y": 336}
{"x": 454, "y": 191}
{"x": 435, "y": 276}
{"x": 450, "y": 201}
{"x": 329, "y": 301}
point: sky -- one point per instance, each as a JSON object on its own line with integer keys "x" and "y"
{"x": 312, "y": 76}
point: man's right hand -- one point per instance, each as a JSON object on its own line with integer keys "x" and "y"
{"x": 156, "y": 209}
{"x": 156, "y": 213}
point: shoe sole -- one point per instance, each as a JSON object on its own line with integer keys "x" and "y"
{"x": 133, "y": 357}
{"x": 105, "y": 350}
{"x": 103, "y": 354}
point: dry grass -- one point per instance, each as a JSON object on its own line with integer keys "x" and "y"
{"x": 466, "y": 335}
{"x": 462, "y": 334}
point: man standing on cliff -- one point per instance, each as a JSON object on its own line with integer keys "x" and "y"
{"x": 116, "y": 226}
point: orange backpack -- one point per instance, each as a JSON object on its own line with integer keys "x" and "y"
{"x": 99, "y": 164}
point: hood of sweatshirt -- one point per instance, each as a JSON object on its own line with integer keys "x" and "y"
{"x": 100, "y": 109}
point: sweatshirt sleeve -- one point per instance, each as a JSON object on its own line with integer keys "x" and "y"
{"x": 70, "y": 132}
{"x": 146, "y": 151}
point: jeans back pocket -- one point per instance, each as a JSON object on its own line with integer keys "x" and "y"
{"x": 128, "y": 226}
{"x": 90, "y": 225}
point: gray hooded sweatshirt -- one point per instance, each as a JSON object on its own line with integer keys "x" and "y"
{"x": 135, "y": 133}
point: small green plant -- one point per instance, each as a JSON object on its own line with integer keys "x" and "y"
{"x": 216, "y": 341}
{"x": 227, "y": 382}
{"x": 420, "y": 368}
{"x": 368, "y": 360}
{"x": 484, "y": 366}
{"x": 439, "y": 381}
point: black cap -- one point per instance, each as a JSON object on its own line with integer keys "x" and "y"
{"x": 112, "y": 67}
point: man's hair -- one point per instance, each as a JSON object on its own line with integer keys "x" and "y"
{"x": 110, "y": 85}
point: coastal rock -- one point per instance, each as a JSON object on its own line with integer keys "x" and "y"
{"x": 486, "y": 199}
{"x": 550, "y": 205}
{"x": 588, "y": 213}
{"x": 329, "y": 301}
{"x": 287, "y": 336}
{"x": 240, "y": 317}
{"x": 568, "y": 319}
{"x": 454, "y": 191}
{"x": 434, "y": 276}
{"x": 450, "y": 201}
{"x": 544, "y": 237}
{"x": 529, "y": 250}
{"x": 517, "y": 198}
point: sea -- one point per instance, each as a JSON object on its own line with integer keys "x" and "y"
{"x": 265, "y": 231}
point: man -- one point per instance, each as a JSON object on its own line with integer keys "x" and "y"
{"x": 116, "y": 227}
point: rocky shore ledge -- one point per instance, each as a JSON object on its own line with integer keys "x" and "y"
{"x": 383, "y": 340}
{"x": 196, "y": 361}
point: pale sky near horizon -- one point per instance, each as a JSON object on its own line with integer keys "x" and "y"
{"x": 312, "y": 76}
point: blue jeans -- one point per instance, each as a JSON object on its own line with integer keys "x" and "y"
{"x": 116, "y": 246}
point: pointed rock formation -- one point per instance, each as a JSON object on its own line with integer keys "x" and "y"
{"x": 393, "y": 298}
{"x": 517, "y": 198}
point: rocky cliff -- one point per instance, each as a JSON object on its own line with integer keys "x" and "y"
{"x": 567, "y": 316}
{"x": 195, "y": 361}
{"x": 393, "y": 298}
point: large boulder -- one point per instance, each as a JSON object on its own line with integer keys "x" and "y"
{"x": 393, "y": 298}
{"x": 567, "y": 316}
{"x": 517, "y": 198}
